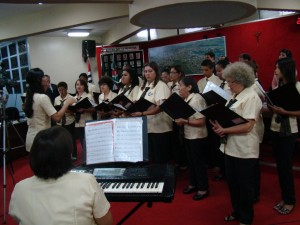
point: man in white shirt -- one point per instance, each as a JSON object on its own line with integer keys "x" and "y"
{"x": 207, "y": 67}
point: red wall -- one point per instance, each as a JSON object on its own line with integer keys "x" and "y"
{"x": 275, "y": 34}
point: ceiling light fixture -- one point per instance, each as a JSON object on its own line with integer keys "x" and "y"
{"x": 78, "y": 33}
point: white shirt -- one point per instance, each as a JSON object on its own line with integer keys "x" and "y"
{"x": 69, "y": 116}
{"x": 161, "y": 122}
{"x": 245, "y": 145}
{"x": 73, "y": 199}
{"x": 197, "y": 102}
{"x": 41, "y": 118}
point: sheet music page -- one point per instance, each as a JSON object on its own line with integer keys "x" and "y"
{"x": 99, "y": 141}
{"x": 211, "y": 86}
{"x": 128, "y": 145}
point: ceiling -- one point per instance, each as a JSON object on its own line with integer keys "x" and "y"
{"x": 9, "y": 8}
{"x": 97, "y": 29}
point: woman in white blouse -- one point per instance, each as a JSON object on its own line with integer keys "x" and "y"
{"x": 159, "y": 124}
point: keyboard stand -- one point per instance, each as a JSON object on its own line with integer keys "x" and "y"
{"x": 132, "y": 211}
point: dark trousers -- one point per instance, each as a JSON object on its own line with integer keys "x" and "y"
{"x": 240, "y": 174}
{"x": 71, "y": 129}
{"x": 196, "y": 158}
{"x": 79, "y": 131}
{"x": 213, "y": 147}
{"x": 178, "y": 149}
{"x": 283, "y": 148}
{"x": 159, "y": 145}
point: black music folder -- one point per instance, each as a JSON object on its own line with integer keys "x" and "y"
{"x": 286, "y": 97}
{"x": 225, "y": 116}
{"x": 176, "y": 107}
{"x": 104, "y": 106}
{"x": 84, "y": 103}
{"x": 212, "y": 97}
{"x": 122, "y": 102}
{"x": 140, "y": 105}
{"x": 96, "y": 97}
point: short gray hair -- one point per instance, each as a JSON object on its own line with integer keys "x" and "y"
{"x": 240, "y": 72}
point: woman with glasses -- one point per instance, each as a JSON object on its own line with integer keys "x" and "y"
{"x": 240, "y": 143}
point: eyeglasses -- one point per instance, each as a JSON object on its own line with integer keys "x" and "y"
{"x": 231, "y": 82}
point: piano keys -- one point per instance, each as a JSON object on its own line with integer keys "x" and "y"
{"x": 132, "y": 187}
{"x": 154, "y": 183}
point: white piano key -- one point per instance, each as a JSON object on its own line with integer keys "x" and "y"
{"x": 132, "y": 187}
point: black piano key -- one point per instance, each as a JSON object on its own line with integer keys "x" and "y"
{"x": 124, "y": 185}
{"x": 156, "y": 185}
{"x": 104, "y": 185}
{"x": 149, "y": 185}
{"x": 115, "y": 184}
{"x": 142, "y": 185}
{"x": 138, "y": 184}
{"x": 128, "y": 184}
{"x": 131, "y": 186}
{"x": 152, "y": 184}
{"x": 119, "y": 183}
{"x": 108, "y": 185}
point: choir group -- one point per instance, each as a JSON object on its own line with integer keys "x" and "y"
{"x": 196, "y": 142}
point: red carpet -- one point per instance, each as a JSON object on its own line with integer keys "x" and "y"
{"x": 183, "y": 210}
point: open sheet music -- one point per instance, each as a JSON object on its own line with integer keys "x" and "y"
{"x": 116, "y": 140}
{"x": 213, "y": 94}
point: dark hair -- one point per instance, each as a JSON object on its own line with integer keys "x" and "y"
{"x": 106, "y": 80}
{"x": 84, "y": 83}
{"x": 155, "y": 67}
{"x": 210, "y": 53}
{"x": 83, "y": 75}
{"x": 208, "y": 63}
{"x": 62, "y": 84}
{"x": 245, "y": 56}
{"x": 190, "y": 81}
{"x": 134, "y": 80}
{"x": 178, "y": 69}
{"x": 223, "y": 63}
{"x": 166, "y": 69}
{"x": 287, "y": 67}
{"x": 50, "y": 154}
{"x": 34, "y": 82}
{"x": 287, "y": 52}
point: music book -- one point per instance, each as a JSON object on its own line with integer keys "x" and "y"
{"x": 225, "y": 116}
{"x": 211, "y": 97}
{"x": 176, "y": 107}
{"x": 116, "y": 140}
{"x": 140, "y": 105}
{"x": 122, "y": 102}
{"x": 285, "y": 96}
{"x": 96, "y": 97}
{"x": 84, "y": 103}
{"x": 213, "y": 94}
{"x": 104, "y": 106}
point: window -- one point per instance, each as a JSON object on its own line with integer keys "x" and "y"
{"x": 14, "y": 56}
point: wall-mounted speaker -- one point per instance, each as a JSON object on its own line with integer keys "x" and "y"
{"x": 88, "y": 47}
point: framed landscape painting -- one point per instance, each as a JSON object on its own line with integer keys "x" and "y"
{"x": 188, "y": 54}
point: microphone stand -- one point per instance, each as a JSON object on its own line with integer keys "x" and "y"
{"x": 4, "y": 151}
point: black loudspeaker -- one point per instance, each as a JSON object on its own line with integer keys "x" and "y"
{"x": 88, "y": 47}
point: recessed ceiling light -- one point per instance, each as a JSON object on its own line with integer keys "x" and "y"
{"x": 78, "y": 33}
{"x": 40, "y": 3}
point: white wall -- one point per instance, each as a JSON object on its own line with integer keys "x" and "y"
{"x": 61, "y": 58}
